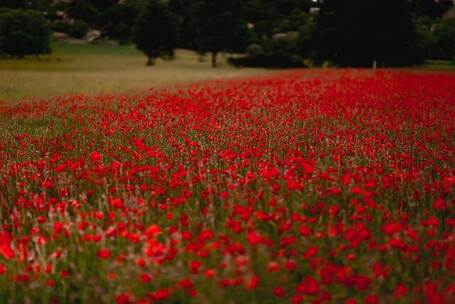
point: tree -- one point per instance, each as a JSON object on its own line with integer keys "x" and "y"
{"x": 358, "y": 32}
{"x": 23, "y": 32}
{"x": 444, "y": 39}
{"x": 219, "y": 25}
{"x": 425, "y": 37}
{"x": 13, "y": 3}
{"x": 430, "y": 8}
{"x": 120, "y": 20}
{"x": 102, "y": 5}
{"x": 307, "y": 30}
{"x": 136, "y": 4}
{"x": 44, "y": 6}
{"x": 184, "y": 8}
{"x": 83, "y": 10}
{"x": 156, "y": 31}
{"x": 277, "y": 52}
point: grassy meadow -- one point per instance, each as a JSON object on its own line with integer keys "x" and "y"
{"x": 96, "y": 68}
{"x": 93, "y": 69}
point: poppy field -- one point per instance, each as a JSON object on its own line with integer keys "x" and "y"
{"x": 324, "y": 186}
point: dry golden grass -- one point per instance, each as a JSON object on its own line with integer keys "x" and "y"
{"x": 93, "y": 69}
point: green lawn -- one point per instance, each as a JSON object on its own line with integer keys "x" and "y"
{"x": 439, "y": 65}
{"x": 93, "y": 69}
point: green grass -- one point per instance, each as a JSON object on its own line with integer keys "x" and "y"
{"x": 439, "y": 65}
{"x": 95, "y": 69}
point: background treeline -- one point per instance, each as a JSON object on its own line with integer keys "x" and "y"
{"x": 270, "y": 33}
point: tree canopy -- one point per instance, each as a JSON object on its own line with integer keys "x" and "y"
{"x": 282, "y": 32}
{"x": 156, "y": 31}
{"x": 23, "y": 32}
{"x": 357, "y": 32}
{"x": 219, "y": 25}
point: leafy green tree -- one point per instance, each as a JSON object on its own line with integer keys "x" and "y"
{"x": 425, "y": 38}
{"x": 307, "y": 28}
{"x": 44, "y": 6}
{"x": 23, "y": 32}
{"x": 444, "y": 39}
{"x": 120, "y": 20}
{"x": 156, "y": 31}
{"x": 79, "y": 29}
{"x": 13, "y": 3}
{"x": 219, "y": 25}
{"x": 184, "y": 8}
{"x": 274, "y": 16}
{"x": 358, "y": 32}
{"x": 136, "y": 4}
{"x": 277, "y": 52}
{"x": 83, "y": 10}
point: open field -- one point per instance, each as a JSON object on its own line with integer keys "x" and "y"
{"x": 323, "y": 186}
{"x": 97, "y": 69}
{"x": 93, "y": 69}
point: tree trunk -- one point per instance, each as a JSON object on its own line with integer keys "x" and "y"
{"x": 151, "y": 60}
{"x": 214, "y": 56}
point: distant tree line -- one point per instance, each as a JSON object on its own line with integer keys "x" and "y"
{"x": 270, "y": 33}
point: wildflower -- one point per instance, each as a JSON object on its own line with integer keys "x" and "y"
{"x": 309, "y": 286}
{"x": 104, "y": 254}
{"x": 279, "y": 292}
{"x": 5, "y": 245}
{"x": 95, "y": 156}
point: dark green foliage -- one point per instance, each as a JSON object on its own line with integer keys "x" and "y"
{"x": 136, "y": 4}
{"x": 358, "y": 32}
{"x": 184, "y": 8}
{"x": 23, "y": 32}
{"x": 61, "y": 26}
{"x": 83, "y": 10}
{"x": 121, "y": 32}
{"x": 156, "y": 31}
{"x": 344, "y": 32}
{"x": 113, "y": 18}
{"x": 78, "y": 29}
{"x": 120, "y": 20}
{"x": 444, "y": 39}
{"x": 274, "y": 16}
{"x": 430, "y": 8}
{"x": 102, "y": 5}
{"x": 424, "y": 26}
{"x": 307, "y": 30}
{"x": 29, "y": 4}
{"x": 219, "y": 25}
{"x": 47, "y": 7}
{"x": 278, "y": 52}
{"x": 12, "y": 3}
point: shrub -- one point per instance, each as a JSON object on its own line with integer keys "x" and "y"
{"x": 121, "y": 32}
{"x": 23, "y": 32}
{"x": 254, "y": 50}
{"x": 278, "y": 52}
{"x": 79, "y": 29}
{"x": 61, "y": 26}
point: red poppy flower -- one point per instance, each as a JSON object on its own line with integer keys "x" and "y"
{"x": 5, "y": 245}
